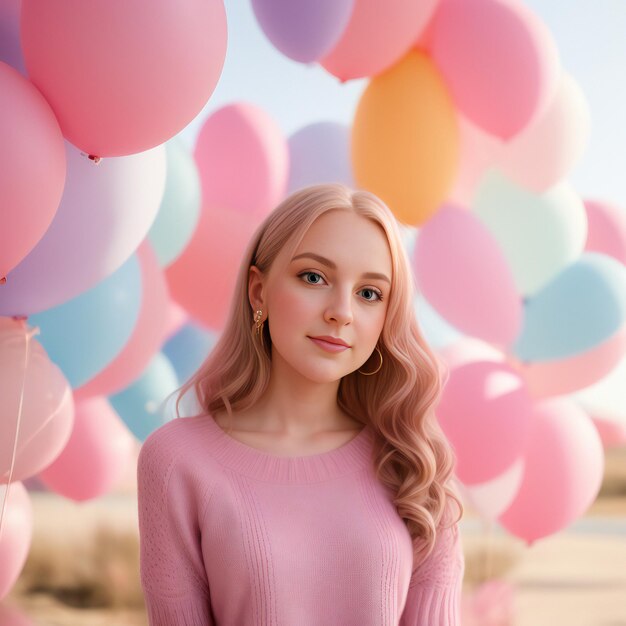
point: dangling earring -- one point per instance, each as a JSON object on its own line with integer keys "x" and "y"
{"x": 379, "y": 366}
{"x": 259, "y": 323}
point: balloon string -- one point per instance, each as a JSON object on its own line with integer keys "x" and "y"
{"x": 27, "y": 336}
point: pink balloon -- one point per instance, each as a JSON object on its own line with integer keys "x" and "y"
{"x": 243, "y": 160}
{"x": 564, "y": 465}
{"x": 606, "y": 229}
{"x": 612, "y": 433}
{"x": 484, "y": 412}
{"x": 499, "y": 59}
{"x": 457, "y": 262}
{"x": 15, "y": 535}
{"x": 147, "y": 336}
{"x": 203, "y": 277}
{"x": 378, "y": 34}
{"x": 467, "y": 350}
{"x": 176, "y": 318}
{"x": 95, "y": 458}
{"x": 32, "y": 167}
{"x": 552, "y": 143}
{"x": 121, "y": 76}
{"x": 563, "y": 376}
{"x": 11, "y": 616}
{"x": 47, "y": 410}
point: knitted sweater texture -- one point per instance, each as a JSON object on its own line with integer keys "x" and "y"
{"x": 233, "y": 536}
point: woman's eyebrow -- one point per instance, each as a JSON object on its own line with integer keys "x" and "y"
{"x": 332, "y": 265}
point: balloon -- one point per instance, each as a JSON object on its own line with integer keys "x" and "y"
{"x": 32, "y": 167}
{"x": 456, "y": 261}
{"x": 563, "y": 376}
{"x": 300, "y": 29}
{"x": 607, "y": 229}
{"x": 10, "y": 48}
{"x": 485, "y": 412}
{"x": 552, "y": 143}
{"x": 563, "y": 469}
{"x": 43, "y": 423}
{"x": 435, "y": 329}
{"x": 105, "y": 213}
{"x": 606, "y": 397}
{"x": 203, "y": 278}
{"x": 491, "y": 498}
{"x": 11, "y": 616}
{"x": 243, "y": 160}
{"x": 187, "y": 349}
{"x": 16, "y": 534}
{"x": 320, "y": 153}
{"x": 612, "y": 434}
{"x": 95, "y": 458}
{"x": 469, "y": 349}
{"x": 582, "y": 307}
{"x": 147, "y": 335}
{"x": 139, "y": 405}
{"x": 405, "y": 139}
{"x": 180, "y": 208}
{"x": 499, "y": 60}
{"x": 86, "y": 333}
{"x": 120, "y": 76}
{"x": 540, "y": 234}
{"x": 378, "y": 34}
{"x": 176, "y": 319}
{"x": 478, "y": 152}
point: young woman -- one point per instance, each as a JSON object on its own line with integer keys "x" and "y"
{"x": 315, "y": 485}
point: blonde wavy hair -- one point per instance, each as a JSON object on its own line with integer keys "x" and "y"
{"x": 411, "y": 455}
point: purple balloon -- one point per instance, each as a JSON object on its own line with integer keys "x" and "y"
{"x": 320, "y": 153}
{"x": 304, "y": 30}
{"x": 10, "y": 46}
{"x": 105, "y": 212}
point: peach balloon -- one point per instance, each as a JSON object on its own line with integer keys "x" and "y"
{"x": 405, "y": 138}
{"x": 16, "y": 530}
{"x": 553, "y": 142}
{"x": 243, "y": 160}
{"x": 43, "y": 420}
{"x": 563, "y": 469}
{"x": 377, "y": 35}
{"x": 606, "y": 229}
{"x": 122, "y": 76}
{"x": 96, "y": 456}
{"x": 202, "y": 278}
{"x": 147, "y": 337}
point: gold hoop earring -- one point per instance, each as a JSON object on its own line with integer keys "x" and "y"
{"x": 379, "y": 366}
{"x": 259, "y": 323}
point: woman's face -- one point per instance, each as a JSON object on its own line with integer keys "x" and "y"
{"x": 325, "y": 289}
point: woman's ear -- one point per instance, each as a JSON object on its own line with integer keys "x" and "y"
{"x": 256, "y": 288}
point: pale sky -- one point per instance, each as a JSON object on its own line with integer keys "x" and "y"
{"x": 590, "y": 35}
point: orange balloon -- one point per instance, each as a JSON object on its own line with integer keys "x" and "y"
{"x": 405, "y": 138}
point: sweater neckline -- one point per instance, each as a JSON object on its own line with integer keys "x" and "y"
{"x": 351, "y": 456}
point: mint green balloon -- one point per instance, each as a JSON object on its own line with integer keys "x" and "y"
{"x": 180, "y": 208}
{"x": 540, "y": 233}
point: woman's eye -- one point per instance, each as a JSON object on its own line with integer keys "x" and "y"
{"x": 374, "y": 291}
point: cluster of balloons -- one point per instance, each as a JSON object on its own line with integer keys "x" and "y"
{"x": 468, "y": 128}
{"x": 98, "y": 199}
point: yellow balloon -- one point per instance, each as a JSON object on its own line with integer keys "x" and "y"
{"x": 405, "y": 138}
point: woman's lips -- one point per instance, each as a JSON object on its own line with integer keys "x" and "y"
{"x": 329, "y": 347}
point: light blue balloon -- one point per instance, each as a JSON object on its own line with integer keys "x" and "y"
{"x": 140, "y": 404}
{"x": 437, "y": 332}
{"x": 83, "y": 335}
{"x": 188, "y": 348}
{"x": 179, "y": 212}
{"x": 320, "y": 153}
{"x": 583, "y": 306}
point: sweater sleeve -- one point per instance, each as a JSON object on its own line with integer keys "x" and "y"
{"x": 434, "y": 595}
{"x": 172, "y": 573}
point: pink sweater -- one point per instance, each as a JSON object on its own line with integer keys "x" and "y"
{"x": 233, "y": 536}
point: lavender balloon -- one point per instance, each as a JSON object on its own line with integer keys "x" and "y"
{"x": 303, "y": 30}
{"x": 320, "y": 153}
{"x": 105, "y": 212}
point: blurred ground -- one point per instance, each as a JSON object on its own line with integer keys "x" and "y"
{"x": 82, "y": 568}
